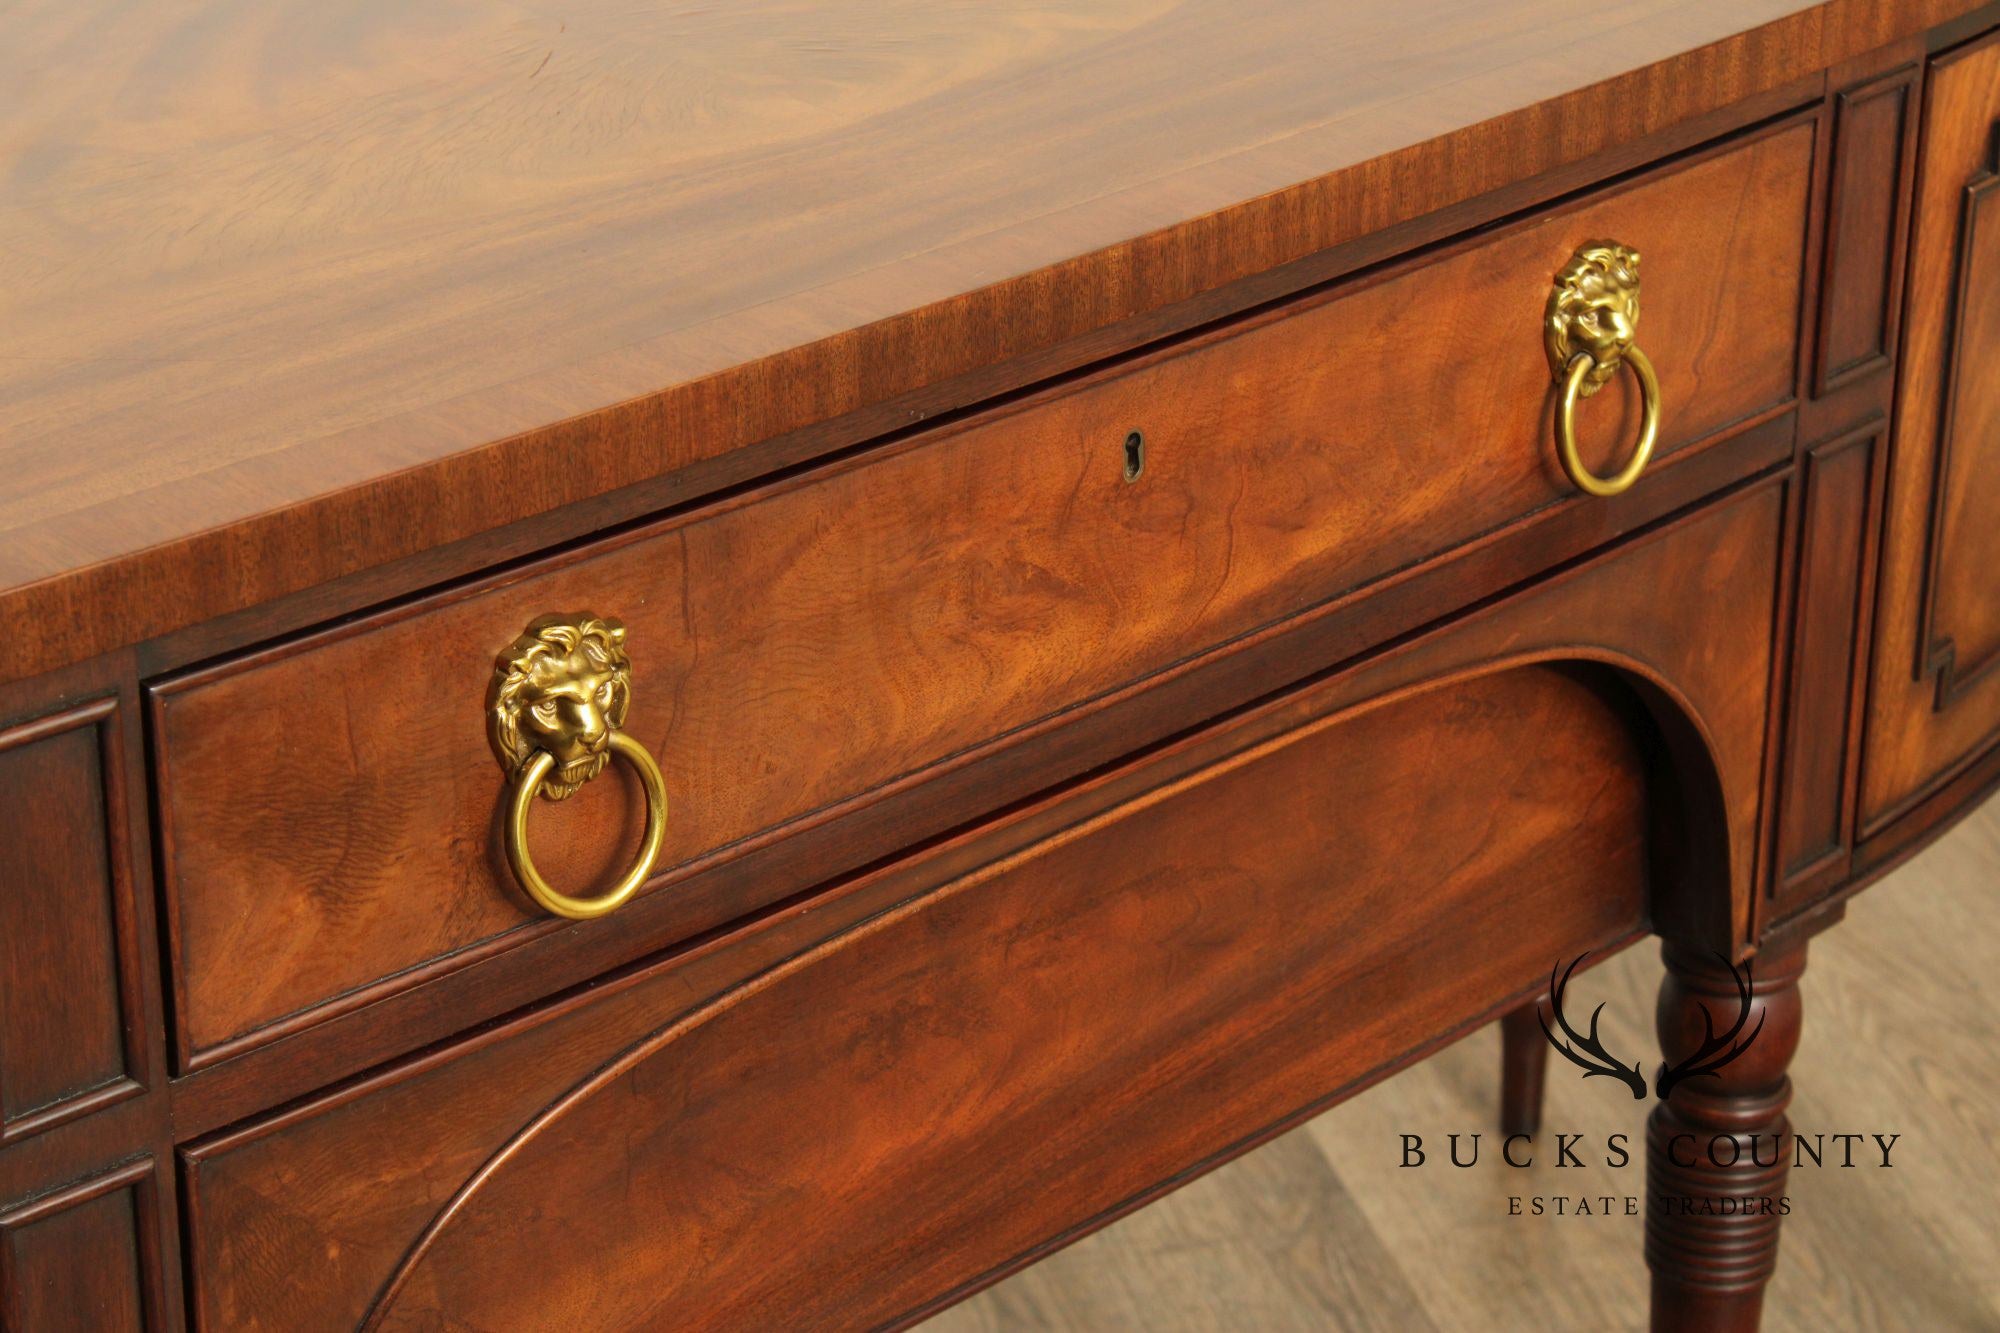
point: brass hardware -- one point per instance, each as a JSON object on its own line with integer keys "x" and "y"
{"x": 1135, "y": 455}
{"x": 1588, "y": 331}
{"x": 582, "y": 909}
{"x": 560, "y": 693}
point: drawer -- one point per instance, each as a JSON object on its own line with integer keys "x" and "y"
{"x": 928, "y": 1072}
{"x": 805, "y": 654}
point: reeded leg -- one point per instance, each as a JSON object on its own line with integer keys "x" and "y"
{"x": 1718, "y": 1147}
{"x": 1524, "y": 1059}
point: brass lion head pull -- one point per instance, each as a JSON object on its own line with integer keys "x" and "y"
{"x": 1588, "y": 329}
{"x": 558, "y": 702}
{"x": 563, "y": 686}
{"x": 1594, "y": 310}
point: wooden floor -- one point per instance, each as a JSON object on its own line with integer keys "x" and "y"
{"x": 1321, "y": 1230}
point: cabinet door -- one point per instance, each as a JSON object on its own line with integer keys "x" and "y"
{"x": 1934, "y": 703}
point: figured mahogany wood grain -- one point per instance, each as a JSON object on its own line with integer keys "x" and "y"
{"x": 1223, "y": 945}
{"x": 64, "y": 902}
{"x": 1935, "y": 701}
{"x": 329, "y": 810}
{"x": 313, "y": 1208}
{"x": 1170, "y": 976}
{"x": 290, "y": 298}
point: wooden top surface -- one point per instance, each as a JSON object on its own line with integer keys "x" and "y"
{"x": 294, "y": 290}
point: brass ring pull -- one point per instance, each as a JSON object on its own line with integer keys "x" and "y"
{"x": 559, "y": 698}
{"x": 526, "y": 783}
{"x": 1588, "y": 330}
{"x": 1649, "y": 425}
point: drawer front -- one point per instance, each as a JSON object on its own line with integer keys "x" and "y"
{"x": 331, "y": 809}
{"x": 1934, "y": 701}
{"x": 847, "y": 1111}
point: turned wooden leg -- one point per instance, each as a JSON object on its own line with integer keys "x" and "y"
{"x": 1524, "y": 1059}
{"x": 1718, "y": 1147}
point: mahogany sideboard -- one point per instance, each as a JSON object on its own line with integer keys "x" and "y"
{"x": 740, "y": 666}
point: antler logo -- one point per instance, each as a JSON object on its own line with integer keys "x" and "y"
{"x": 1715, "y": 1051}
{"x": 1596, "y": 1060}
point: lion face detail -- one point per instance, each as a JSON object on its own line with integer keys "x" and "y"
{"x": 563, "y": 687}
{"x": 1595, "y": 310}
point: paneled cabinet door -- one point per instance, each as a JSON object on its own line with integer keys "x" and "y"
{"x": 1934, "y": 701}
